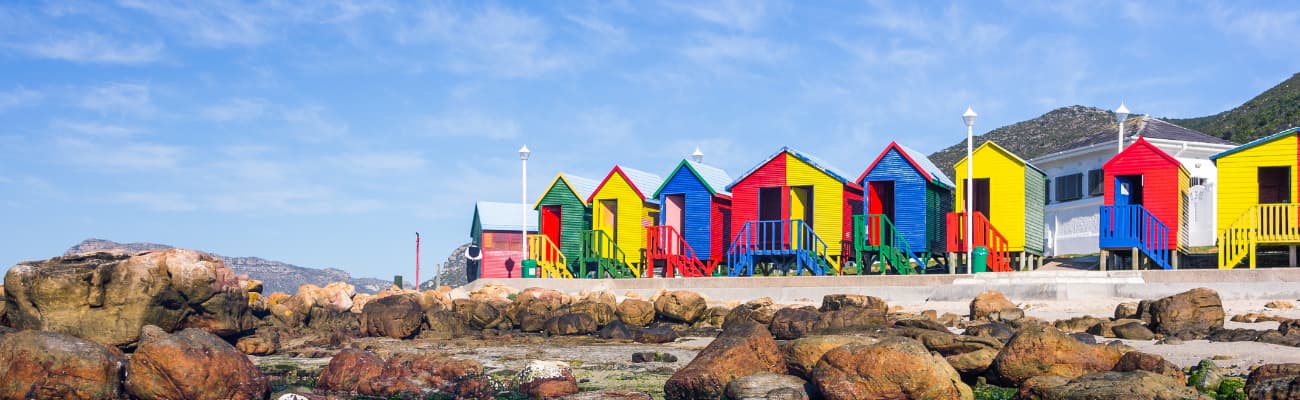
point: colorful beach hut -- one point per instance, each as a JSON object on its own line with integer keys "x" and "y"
{"x": 621, "y": 209}
{"x": 563, "y": 214}
{"x": 694, "y": 222}
{"x": 906, "y": 200}
{"x": 495, "y": 230}
{"x": 791, "y": 210}
{"x": 1009, "y": 197}
{"x": 1145, "y": 205}
{"x": 1258, "y": 201}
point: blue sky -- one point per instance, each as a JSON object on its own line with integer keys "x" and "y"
{"x": 325, "y": 133}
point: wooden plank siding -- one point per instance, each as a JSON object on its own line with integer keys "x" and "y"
{"x": 1238, "y": 187}
{"x": 633, "y": 214}
{"x": 706, "y": 214}
{"x": 1035, "y": 211}
{"x": 912, "y": 210}
{"x": 828, "y": 201}
{"x": 938, "y": 203}
{"x": 1164, "y": 183}
{"x": 575, "y": 217}
{"x": 1008, "y": 194}
{"x": 744, "y": 193}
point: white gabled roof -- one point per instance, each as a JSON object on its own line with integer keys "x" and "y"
{"x": 494, "y": 216}
{"x": 925, "y": 163}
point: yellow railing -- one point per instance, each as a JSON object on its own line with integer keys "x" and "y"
{"x": 550, "y": 260}
{"x": 1261, "y": 224}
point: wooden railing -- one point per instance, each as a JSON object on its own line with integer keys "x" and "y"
{"x": 598, "y": 246}
{"x": 1261, "y": 224}
{"x": 1133, "y": 226}
{"x": 550, "y": 260}
{"x": 985, "y": 235}
{"x": 875, "y": 232}
{"x": 664, "y": 243}
{"x": 778, "y": 237}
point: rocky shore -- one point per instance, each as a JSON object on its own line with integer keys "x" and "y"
{"x": 179, "y": 324}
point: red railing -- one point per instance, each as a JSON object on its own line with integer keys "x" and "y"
{"x": 666, "y": 244}
{"x": 985, "y": 235}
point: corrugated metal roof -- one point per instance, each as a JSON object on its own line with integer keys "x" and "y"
{"x": 715, "y": 177}
{"x": 1144, "y": 126}
{"x": 496, "y": 216}
{"x": 928, "y": 166}
{"x": 818, "y": 163}
{"x": 643, "y": 181}
{"x": 1255, "y": 142}
{"x": 583, "y": 186}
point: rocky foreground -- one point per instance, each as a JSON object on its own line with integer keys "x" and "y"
{"x": 179, "y": 324}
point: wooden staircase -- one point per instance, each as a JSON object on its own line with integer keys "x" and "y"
{"x": 985, "y": 235}
{"x": 790, "y": 241}
{"x": 1133, "y": 226}
{"x": 551, "y": 262}
{"x": 875, "y": 233}
{"x": 1262, "y": 224}
{"x": 601, "y": 252}
{"x": 665, "y": 246}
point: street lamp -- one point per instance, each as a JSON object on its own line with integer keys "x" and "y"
{"x": 969, "y": 118}
{"x": 523, "y": 204}
{"x": 1121, "y": 114}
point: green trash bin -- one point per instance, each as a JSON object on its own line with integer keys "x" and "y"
{"x": 979, "y": 259}
{"x": 529, "y": 268}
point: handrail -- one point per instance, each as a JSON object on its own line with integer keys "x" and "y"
{"x": 552, "y": 261}
{"x": 1135, "y": 226}
{"x": 1261, "y": 224}
{"x": 987, "y": 235}
{"x": 786, "y": 235}
{"x": 665, "y": 243}
{"x": 877, "y": 232}
{"x": 598, "y": 244}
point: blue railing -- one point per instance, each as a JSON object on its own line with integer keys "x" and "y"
{"x": 1134, "y": 226}
{"x": 776, "y": 237}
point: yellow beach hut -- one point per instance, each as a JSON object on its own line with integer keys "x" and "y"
{"x": 621, "y": 209}
{"x": 1009, "y": 198}
{"x": 1258, "y": 199}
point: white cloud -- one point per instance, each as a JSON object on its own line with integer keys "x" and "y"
{"x": 19, "y": 97}
{"x": 235, "y": 110}
{"x": 472, "y": 124}
{"x": 309, "y": 123}
{"x": 744, "y": 15}
{"x": 117, "y": 157}
{"x": 120, "y": 99}
{"x": 294, "y": 200}
{"x": 87, "y": 47}
{"x": 1267, "y": 29}
{"x": 495, "y": 40}
{"x": 156, "y": 201}
{"x": 380, "y": 162}
{"x": 213, "y": 24}
{"x": 719, "y": 51}
{"x": 98, "y": 129}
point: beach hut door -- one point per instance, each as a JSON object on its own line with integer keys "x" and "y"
{"x": 609, "y": 218}
{"x": 881, "y": 199}
{"x": 1274, "y": 185}
{"x": 551, "y": 223}
{"x": 1128, "y": 190}
{"x": 801, "y": 204}
{"x": 675, "y": 216}
{"x": 981, "y": 196}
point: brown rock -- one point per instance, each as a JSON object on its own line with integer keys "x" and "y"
{"x": 1043, "y": 350}
{"x": 410, "y": 374}
{"x": 988, "y": 303}
{"x": 609, "y": 394}
{"x": 714, "y": 317}
{"x": 1107, "y": 328}
{"x": 921, "y": 323}
{"x": 950, "y": 320}
{"x": 1191, "y": 314}
{"x": 681, "y": 306}
{"x": 833, "y": 302}
{"x": 802, "y": 354}
{"x": 766, "y": 385}
{"x": 636, "y": 312}
{"x": 265, "y": 342}
{"x": 1139, "y": 361}
{"x": 1274, "y": 381}
{"x": 1127, "y": 311}
{"x": 996, "y": 330}
{"x": 794, "y": 323}
{"x": 1037, "y": 387}
{"x": 973, "y": 363}
{"x": 348, "y": 369}
{"x": 600, "y": 312}
{"x": 397, "y": 316}
{"x": 547, "y": 380}
{"x": 191, "y": 364}
{"x": 108, "y": 298}
{"x": 493, "y": 291}
{"x": 571, "y": 324}
{"x": 49, "y": 365}
{"x": 847, "y": 320}
{"x": 1279, "y": 305}
{"x": 658, "y": 334}
{"x": 617, "y": 330}
{"x": 1077, "y": 324}
{"x": 761, "y": 311}
{"x": 487, "y": 313}
{"x": 1137, "y": 385}
{"x": 446, "y": 325}
{"x": 1133, "y": 331}
{"x": 745, "y": 348}
{"x": 857, "y": 372}
{"x": 603, "y": 297}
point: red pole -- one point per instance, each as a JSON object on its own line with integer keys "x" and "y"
{"x": 417, "y": 261}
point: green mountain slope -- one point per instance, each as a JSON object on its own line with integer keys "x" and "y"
{"x": 1274, "y": 110}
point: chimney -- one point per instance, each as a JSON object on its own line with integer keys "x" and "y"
{"x": 697, "y": 156}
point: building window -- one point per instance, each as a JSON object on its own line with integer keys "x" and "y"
{"x": 1094, "y": 183}
{"x": 1069, "y": 187}
{"x": 1047, "y": 191}
{"x": 1199, "y": 181}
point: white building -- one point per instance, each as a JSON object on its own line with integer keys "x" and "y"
{"x": 1074, "y": 179}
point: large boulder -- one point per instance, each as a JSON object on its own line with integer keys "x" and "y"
{"x": 857, "y": 372}
{"x": 265, "y": 342}
{"x": 1274, "y": 382}
{"x": 990, "y": 303}
{"x": 743, "y": 349}
{"x": 602, "y": 313}
{"x": 571, "y": 324}
{"x": 635, "y": 312}
{"x": 323, "y": 308}
{"x": 766, "y": 385}
{"x": 801, "y": 355}
{"x": 3, "y": 322}
{"x": 444, "y": 325}
{"x": 835, "y": 302}
{"x": 1132, "y": 331}
{"x": 1043, "y": 350}
{"x": 348, "y": 370}
{"x": 49, "y": 365}
{"x": 793, "y": 323}
{"x": 109, "y": 297}
{"x": 758, "y": 310}
{"x": 489, "y": 313}
{"x": 1139, "y": 361}
{"x": 1136, "y": 385}
{"x": 397, "y": 316}
{"x": 547, "y": 380}
{"x": 191, "y": 364}
{"x": 681, "y": 306}
{"x": 417, "y": 375}
{"x": 1189, "y": 315}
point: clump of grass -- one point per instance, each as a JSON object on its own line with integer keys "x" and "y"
{"x": 991, "y": 392}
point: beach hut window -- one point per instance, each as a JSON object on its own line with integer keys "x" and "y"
{"x": 769, "y": 204}
{"x": 1095, "y": 178}
{"x": 1069, "y": 187}
{"x": 1274, "y": 185}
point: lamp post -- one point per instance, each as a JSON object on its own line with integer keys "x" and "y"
{"x": 523, "y": 204}
{"x": 969, "y": 118}
{"x": 1121, "y": 114}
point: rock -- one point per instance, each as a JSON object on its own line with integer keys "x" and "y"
{"x": 681, "y": 306}
{"x": 834, "y": 302}
{"x": 571, "y": 324}
{"x": 603, "y": 297}
{"x": 653, "y": 356}
{"x": 1133, "y": 331}
{"x": 973, "y": 363}
{"x": 616, "y": 330}
{"x": 714, "y": 317}
{"x": 446, "y": 325}
{"x": 988, "y": 303}
{"x": 658, "y": 334}
{"x": 3, "y": 322}
{"x": 1044, "y": 350}
{"x": 397, "y": 316}
{"x": 1234, "y": 335}
{"x": 921, "y": 324}
{"x": 969, "y": 355}
{"x": 802, "y": 354}
{"x": 547, "y": 379}
{"x": 50, "y": 365}
{"x": 997, "y": 330}
{"x": 950, "y": 320}
{"x": 108, "y": 298}
{"x": 1144, "y": 311}
{"x": 1137, "y": 385}
{"x": 1275, "y": 337}
{"x": 1274, "y": 381}
{"x": 1006, "y": 315}
{"x": 609, "y": 394}
{"x": 794, "y": 323}
{"x": 1191, "y": 314}
{"x": 744, "y": 348}
{"x": 265, "y": 342}
{"x": 1107, "y": 328}
{"x": 1289, "y": 328}
{"x": 1127, "y": 311}
{"x": 348, "y": 370}
{"x": 1077, "y": 324}
{"x": 602, "y": 313}
{"x": 1279, "y": 305}
{"x": 758, "y": 310}
{"x": 1139, "y": 361}
{"x": 765, "y": 386}
{"x": 636, "y": 312}
{"x": 417, "y": 375}
{"x": 1037, "y": 387}
{"x": 847, "y": 320}
{"x": 1205, "y": 376}
{"x": 493, "y": 291}
{"x": 191, "y": 364}
{"x": 1086, "y": 338}
{"x": 482, "y": 314}
{"x": 857, "y": 371}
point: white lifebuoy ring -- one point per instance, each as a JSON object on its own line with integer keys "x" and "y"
{"x": 470, "y": 257}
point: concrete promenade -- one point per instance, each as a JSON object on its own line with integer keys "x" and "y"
{"x": 1236, "y": 284}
